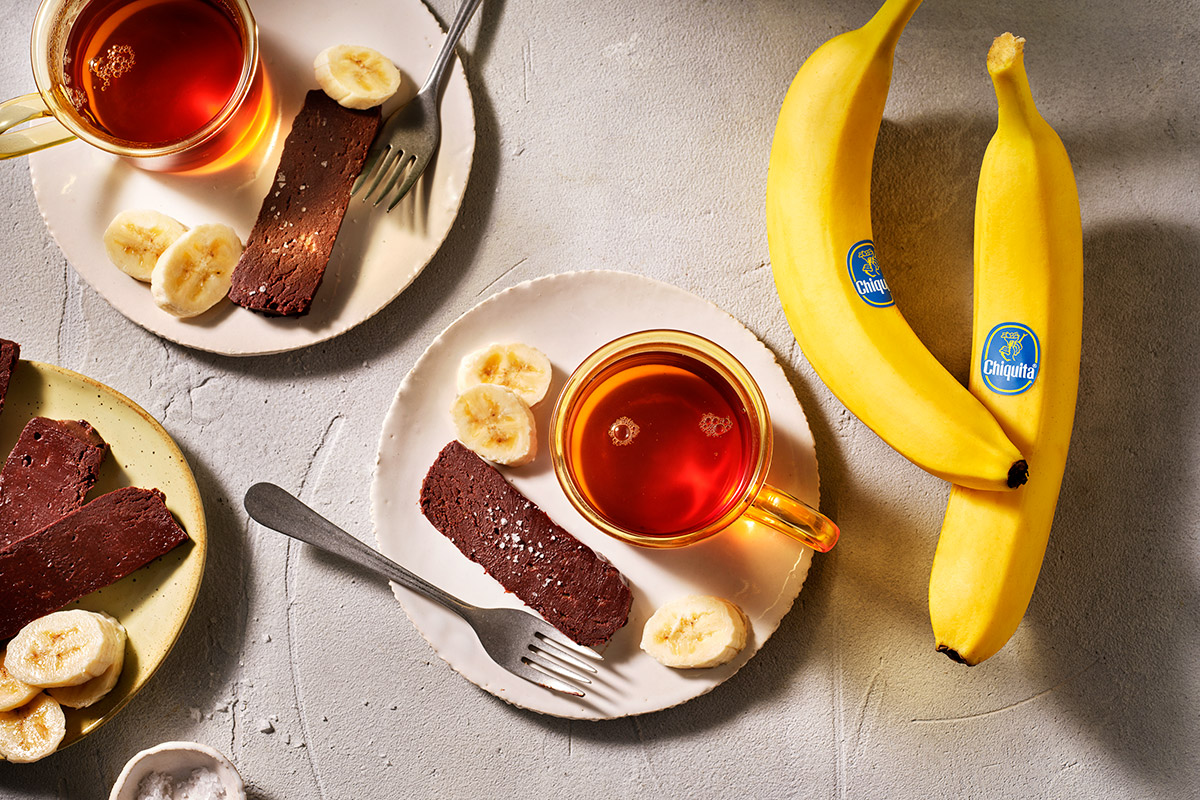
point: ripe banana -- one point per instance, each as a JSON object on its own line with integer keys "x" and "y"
{"x": 695, "y": 631}
{"x": 495, "y": 424}
{"x": 521, "y": 369}
{"x": 136, "y": 238}
{"x": 65, "y": 648}
{"x": 1025, "y": 368}
{"x": 13, "y": 693}
{"x": 90, "y": 692}
{"x": 356, "y": 77}
{"x": 32, "y": 731}
{"x": 828, "y": 278}
{"x": 196, "y": 271}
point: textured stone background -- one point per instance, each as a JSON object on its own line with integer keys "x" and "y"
{"x": 634, "y": 136}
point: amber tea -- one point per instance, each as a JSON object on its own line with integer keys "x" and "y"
{"x": 153, "y": 71}
{"x": 661, "y": 443}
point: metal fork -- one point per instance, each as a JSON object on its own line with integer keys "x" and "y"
{"x": 525, "y": 645}
{"x": 411, "y": 134}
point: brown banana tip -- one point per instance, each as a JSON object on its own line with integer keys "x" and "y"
{"x": 953, "y": 654}
{"x": 1018, "y": 473}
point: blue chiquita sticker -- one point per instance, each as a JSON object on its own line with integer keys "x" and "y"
{"x": 865, "y": 275}
{"x": 1011, "y": 359}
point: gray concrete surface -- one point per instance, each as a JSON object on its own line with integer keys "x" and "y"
{"x": 634, "y": 136}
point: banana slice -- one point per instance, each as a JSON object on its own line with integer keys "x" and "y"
{"x": 196, "y": 271}
{"x": 32, "y": 731}
{"x": 89, "y": 692}
{"x": 356, "y": 77}
{"x": 13, "y": 693}
{"x": 695, "y": 631}
{"x": 522, "y": 369}
{"x": 65, "y": 648}
{"x": 495, "y": 424}
{"x": 136, "y": 238}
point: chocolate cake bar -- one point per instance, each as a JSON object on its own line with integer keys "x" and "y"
{"x": 288, "y": 249}
{"x": 10, "y": 353}
{"x": 49, "y": 472}
{"x": 496, "y": 526}
{"x": 89, "y": 549}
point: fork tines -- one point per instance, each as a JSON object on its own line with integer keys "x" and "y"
{"x": 390, "y": 161}
{"x": 553, "y": 660}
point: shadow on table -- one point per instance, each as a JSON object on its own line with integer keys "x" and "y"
{"x": 1113, "y": 612}
{"x": 1117, "y": 594}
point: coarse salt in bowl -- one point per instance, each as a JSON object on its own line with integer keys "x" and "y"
{"x": 179, "y": 771}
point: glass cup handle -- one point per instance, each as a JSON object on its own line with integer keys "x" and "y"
{"x": 781, "y": 511}
{"x": 36, "y": 137}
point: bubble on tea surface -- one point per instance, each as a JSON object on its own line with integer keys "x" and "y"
{"x": 623, "y": 431}
{"x": 713, "y": 425}
{"x": 116, "y": 62}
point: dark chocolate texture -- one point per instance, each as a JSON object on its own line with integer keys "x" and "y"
{"x": 496, "y": 526}
{"x": 288, "y": 249}
{"x": 47, "y": 475}
{"x": 87, "y": 550}
{"x": 10, "y": 354}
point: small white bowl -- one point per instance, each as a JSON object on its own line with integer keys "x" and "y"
{"x": 177, "y": 759}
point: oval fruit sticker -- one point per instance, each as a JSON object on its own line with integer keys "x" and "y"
{"x": 865, "y": 275}
{"x": 1011, "y": 359}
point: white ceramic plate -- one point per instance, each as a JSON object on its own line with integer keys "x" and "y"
{"x": 377, "y": 255}
{"x": 567, "y": 317}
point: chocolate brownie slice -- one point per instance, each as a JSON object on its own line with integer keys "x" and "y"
{"x": 288, "y": 249}
{"x": 47, "y": 475}
{"x": 10, "y": 353}
{"x": 89, "y": 549}
{"x": 496, "y": 526}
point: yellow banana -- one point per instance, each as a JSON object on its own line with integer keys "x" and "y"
{"x": 828, "y": 279}
{"x": 1025, "y": 368}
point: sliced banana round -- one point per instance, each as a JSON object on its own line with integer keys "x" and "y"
{"x": 89, "y": 692}
{"x": 495, "y": 424}
{"x": 522, "y": 369}
{"x": 196, "y": 271}
{"x": 356, "y": 77}
{"x": 135, "y": 239}
{"x": 65, "y": 648}
{"x": 695, "y": 631}
{"x": 32, "y": 731}
{"x": 13, "y": 693}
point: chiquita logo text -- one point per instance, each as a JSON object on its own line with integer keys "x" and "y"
{"x": 865, "y": 275}
{"x": 1012, "y": 357}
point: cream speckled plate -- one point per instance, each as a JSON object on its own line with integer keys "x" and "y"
{"x": 154, "y": 602}
{"x": 567, "y": 317}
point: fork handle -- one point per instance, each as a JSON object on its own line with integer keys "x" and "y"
{"x": 465, "y": 12}
{"x": 274, "y": 508}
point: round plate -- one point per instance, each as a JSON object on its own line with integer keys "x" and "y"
{"x": 80, "y": 189}
{"x": 153, "y": 602}
{"x": 567, "y": 317}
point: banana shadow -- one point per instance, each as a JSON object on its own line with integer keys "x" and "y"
{"x": 1113, "y": 612}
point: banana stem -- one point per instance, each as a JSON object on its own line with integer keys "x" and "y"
{"x": 890, "y": 19}
{"x": 1006, "y": 65}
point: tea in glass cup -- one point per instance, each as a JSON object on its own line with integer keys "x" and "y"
{"x": 662, "y": 438}
{"x": 175, "y": 85}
